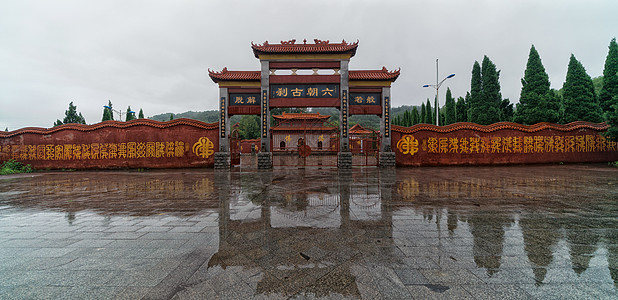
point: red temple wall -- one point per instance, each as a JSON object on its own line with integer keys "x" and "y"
{"x": 138, "y": 143}
{"x": 501, "y": 143}
{"x": 246, "y": 145}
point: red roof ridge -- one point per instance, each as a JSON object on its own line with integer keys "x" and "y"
{"x": 357, "y": 128}
{"x": 382, "y": 74}
{"x": 288, "y": 47}
{"x": 226, "y": 75}
{"x": 502, "y": 125}
{"x": 112, "y": 124}
{"x": 305, "y": 116}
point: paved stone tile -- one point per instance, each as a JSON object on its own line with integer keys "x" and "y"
{"x": 534, "y": 232}
{"x": 438, "y": 291}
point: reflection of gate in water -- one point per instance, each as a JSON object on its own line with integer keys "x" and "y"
{"x": 235, "y": 148}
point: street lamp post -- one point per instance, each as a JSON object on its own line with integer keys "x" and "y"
{"x": 119, "y": 112}
{"x": 437, "y": 87}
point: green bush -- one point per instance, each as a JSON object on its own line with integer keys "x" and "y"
{"x": 14, "y": 167}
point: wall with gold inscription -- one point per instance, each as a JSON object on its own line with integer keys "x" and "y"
{"x": 140, "y": 143}
{"x": 502, "y": 143}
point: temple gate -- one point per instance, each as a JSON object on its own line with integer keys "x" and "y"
{"x": 300, "y": 76}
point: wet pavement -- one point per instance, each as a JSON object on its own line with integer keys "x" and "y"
{"x": 516, "y": 232}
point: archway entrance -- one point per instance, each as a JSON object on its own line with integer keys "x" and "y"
{"x": 304, "y": 139}
{"x": 305, "y": 76}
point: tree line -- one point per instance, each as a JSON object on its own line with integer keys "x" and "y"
{"x": 576, "y": 101}
{"x": 72, "y": 116}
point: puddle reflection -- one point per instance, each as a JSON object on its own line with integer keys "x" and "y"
{"x": 301, "y": 232}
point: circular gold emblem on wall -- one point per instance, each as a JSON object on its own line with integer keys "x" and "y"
{"x": 204, "y": 147}
{"x": 407, "y": 145}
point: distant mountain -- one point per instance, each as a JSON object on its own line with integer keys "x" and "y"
{"x": 209, "y": 116}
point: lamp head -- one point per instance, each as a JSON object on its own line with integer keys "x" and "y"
{"x": 450, "y": 76}
{"x": 427, "y": 85}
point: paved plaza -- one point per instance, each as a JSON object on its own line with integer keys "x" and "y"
{"x": 513, "y": 232}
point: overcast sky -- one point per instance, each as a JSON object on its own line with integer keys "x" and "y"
{"x": 155, "y": 54}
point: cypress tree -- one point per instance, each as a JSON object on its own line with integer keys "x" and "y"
{"x": 506, "y": 110}
{"x": 474, "y": 101}
{"x": 406, "y": 118}
{"x": 429, "y": 111}
{"x": 536, "y": 102}
{"x": 485, "y": 97}
{"x": 450, "y": 110}
{"x": 415, "y": 117}
{"x": 6, "y": 129}
{"x": 609, "y": 91}
{"x": 171, "y": 116}
{"x": 492, "y": 97}
{"x": 141, "y": 114}
{"x": 130, "y": 115}
{"x": 71, "y": 116}
{"x": 107, "y": 115}
{"x": 461, "y": 110}
{"x": 612, "y": 120}
{"x": 423, "y": 116}
{"x": 579, "y": 102}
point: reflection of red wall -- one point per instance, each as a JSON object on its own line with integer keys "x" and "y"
{"x": 245, "y": 145}
{"x": 544, "y": 142}
{"x": 139, "y": 143}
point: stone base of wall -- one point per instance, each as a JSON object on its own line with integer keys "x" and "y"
{"x": 222, "y": 160}
{"x": 344, "y": 160}
{"x": 387, "y": 159}
{"x": 265, "y": 160}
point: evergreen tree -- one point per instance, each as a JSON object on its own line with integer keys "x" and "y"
{"x": 249, "y": 127}
{"x": 71, "y": 116}
{"x": 474, "y": 101}
{"x": 415, "y": 117}
{"x": 506, "y": 110}
{"x": 430, "y": 112}
{"x": 450, "y": 109}
{"x": 6, "y": 129}
{"x": 461, "y": 110}
{"x": 130, "y": 114}
{"x": 171, "y": 116}
{"x": 609, "y": 91}
{"x": 612, "y": 120}
{"x": 537, "y": 103}
{"x": 141, "y": 114}
{"x": 406, "y": 118}
{"x": 396, "y": 120}
{"x": 485, "y": 96}
{"x": 423, "y": 116}
{"x": 107, "y": 114}
{"x": 579, "y": 102}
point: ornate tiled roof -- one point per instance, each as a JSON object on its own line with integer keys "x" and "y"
{"x": 300, "y": 116}
{"x": 290, "y": 47}
{"x": 382, "y": 74}
{"x": 358, "y": 129}
{"x": 226, "y": 75}
{"x": 502, "y": 125}
{"x": 113, "y": 124}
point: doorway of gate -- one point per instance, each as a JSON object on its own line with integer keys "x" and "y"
{"x": 365, "y": 146}
{"x": 312, "y": 140}
{"x": 304, "y": 139}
